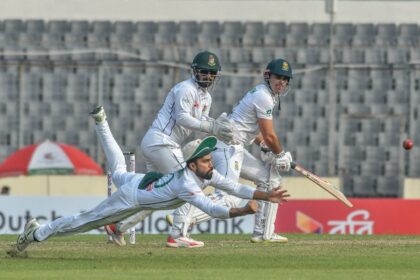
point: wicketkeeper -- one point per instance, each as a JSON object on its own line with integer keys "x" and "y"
{"x": 185, "y": 110}
{"x": 151, "y": 191}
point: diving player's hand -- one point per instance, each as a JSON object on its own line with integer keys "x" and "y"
{"x": 277, "y": 195}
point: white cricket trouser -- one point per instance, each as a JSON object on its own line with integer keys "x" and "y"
{"x": 161, "y": 155}
{"x": 118, "y": 206}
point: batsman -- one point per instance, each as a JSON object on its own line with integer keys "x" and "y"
{"x": 252, "y": 122}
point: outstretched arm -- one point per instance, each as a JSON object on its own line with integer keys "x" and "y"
{"x": 250, "y": 208}
{"x": 247, "y": 192}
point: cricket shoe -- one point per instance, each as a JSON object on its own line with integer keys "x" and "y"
{"x": 184, "y": 242}
{"x": 275, "y": 238}
{"x": 117, "y": 236}
{"x": 98, "y": 114}
{"x": 27, "y": 237}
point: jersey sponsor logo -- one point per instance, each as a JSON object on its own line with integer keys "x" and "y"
{"x": 269, "y": 112}
{"x": 211, "y": 61}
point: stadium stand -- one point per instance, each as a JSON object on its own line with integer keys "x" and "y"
{"x": 54, "y": 72}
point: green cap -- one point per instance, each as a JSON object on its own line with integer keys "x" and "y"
{"x": 206, "y": 60}
{"x": 279, "y": 67}
{"x": 199, "y": 148}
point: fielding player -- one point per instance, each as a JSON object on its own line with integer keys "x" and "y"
{"x": 253, "y": 123}
{"x": 185, "y": 110}
{"x": 151, "y": 191}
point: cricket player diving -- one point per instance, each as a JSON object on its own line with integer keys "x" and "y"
{"x": 185, "y": 110}
{"x": 151, "y": 191}
{"x": 252, "y": 120}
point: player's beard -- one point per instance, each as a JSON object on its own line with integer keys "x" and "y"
{"x": 207, "y": 175}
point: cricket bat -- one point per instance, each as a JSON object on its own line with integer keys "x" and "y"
{"x": 327, "y": 186}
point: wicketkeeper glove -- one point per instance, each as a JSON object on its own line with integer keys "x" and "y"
{"x": 220, "y": 127}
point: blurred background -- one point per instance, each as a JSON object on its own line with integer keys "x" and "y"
{"x": 355, "y": 94}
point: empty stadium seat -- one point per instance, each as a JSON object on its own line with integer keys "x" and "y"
{"x": 408, "y": 35}
{"x": 389, "y": 186}
{"x": 319, "y": 34}
{"x": 297, "y": 34}
{"x": 364, "y": 186}
{"x": 275, "y": 34}
{"x": 397, "y": 55}
{"x": 209, "y": 35}
{"x": 353, "y": 55}
{"x": 187, "y": 33}
{"x": 144, "y": 33}
{"x": 262, "y": 55}
{"x": 387, "y": 34}
{"x": 364, "y": 34}
{"x": 343, "y": 34}
{"x": 232, "y": 32}
{"x": 253, "y": 34}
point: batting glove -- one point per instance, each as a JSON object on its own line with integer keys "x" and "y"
{"x": 282, "y": 161}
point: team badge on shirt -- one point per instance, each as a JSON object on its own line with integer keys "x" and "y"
{"x": 211, "y": 61}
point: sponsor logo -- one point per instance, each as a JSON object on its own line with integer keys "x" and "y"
{"x": 356, "y": 223}
{"x": 308, "y": 224}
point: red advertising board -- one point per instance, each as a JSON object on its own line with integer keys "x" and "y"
{"x": 368, "y": 216}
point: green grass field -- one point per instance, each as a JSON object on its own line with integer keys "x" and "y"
{"x": 223, "y": 257}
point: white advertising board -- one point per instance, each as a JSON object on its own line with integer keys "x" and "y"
{"x": 16, "y": 210}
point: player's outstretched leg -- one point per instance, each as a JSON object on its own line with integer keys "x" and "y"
{"x": 27, "y": 236}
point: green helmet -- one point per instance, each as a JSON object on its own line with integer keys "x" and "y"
{"x": 207, "y": 61}
{"x": 206, "y": 69}
{"x": 278, "y": 67}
